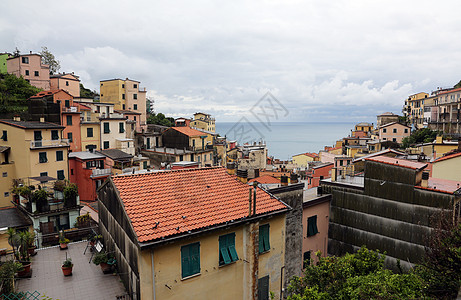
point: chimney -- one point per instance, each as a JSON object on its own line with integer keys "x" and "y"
{"x": 284, "y": 180}
{"x": 42, "y": 119}
{"x": 333, "y": 174}
{"x": 425, "y": 179}
{"x": 17, "y": 118}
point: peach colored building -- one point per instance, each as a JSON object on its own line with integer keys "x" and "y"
{"x": 319, "y": 172}
{"x": 316, "y": 212}
{"x": 67, "y": 82}
{"x": 394, "y": 132}
{"x": 30, "y": 67}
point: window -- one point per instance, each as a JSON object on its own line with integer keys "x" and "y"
{"x": 394, "y": 139}
{"x": 25, "y": 60}
{"x": 123, "y": 96}
{"x": 27, "y": 73}
{"x": 69, "y": 120}
{"x": 264, "y": 244}
{"x": 227, "y": 252}
{"x": 263, "y": 288}
{"x": 36, "y": 73}
{"x": 198, "y": 158}
{"x": 121, "y": 127}
{"x": 5, "y": 174}
{"x": 135, "y": 106}
{"x": 89, "y": 132}
{"x": 148, "y": 143}
{"x": 67, "y": 83}
{"x": 384, "y": 130}
{"x": 181, "y": 158}
{"x": 6, "y": 194}
{"x": 54, "y": 135}
{"x": 394, "y": 130}
{"x": 69, "y": 136}
{"x": 306, "y": 259}
{"x": 59, "y": 156}
{"x": 42, "y": 157}
{"x": 67, "y": 103}
{"x": 43, "y": 174}
{"x": 106, "y": 128}
{"x": 123, "y": 106}
{"x": 135, "y": 96}
{"x": 60, "y": 174}
{"x": 71, "y": 171}
{"x": 406, "y": 130}
{"x": 5, "y": 135}
{"x": 123, "y": 86}
{"x": 106, "y": 145}
{"x": 190, "y": 260}
{"x": 135, "y": 118}
{"x": 135, "y": 86}
{"x": 144, "y": 165}
{"x": 312, "y": 226}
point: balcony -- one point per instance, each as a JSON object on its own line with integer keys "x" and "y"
{"x": 49, "y": 143}
{"x": 101, "y": 172}
{"x": 73, "y": 109}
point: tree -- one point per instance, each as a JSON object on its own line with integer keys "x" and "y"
{"x": 424, "y": 135}
{"x": 87, "y": 93}
{"x": 14, "y": 93}
{"x": 458, "y": 85}
{"x": 354, "y": 276}
{"x": 49, "y": 59}
{"x": 441, "y": 267}
{"x": 160, "y": 119}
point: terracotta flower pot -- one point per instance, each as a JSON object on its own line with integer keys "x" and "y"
{"x": 106, "y": 268}
{"x": 31, "y": 250}
{"x": 26, "y": 269}
{"x": 63, "y": 246}
{"x": 67, "y": 271}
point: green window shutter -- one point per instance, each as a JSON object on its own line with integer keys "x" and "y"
{"x": 225, "y": 255}
{"x": 106, "y": 128}
{"x": 264, "y": 244}
{"x": 54, "y": 135}
{"x": 190, "y": 259}
{"x": 233, "y": 253}
{"x": 315, "y": 225}
{"x": 59, "y": 156}
{"x": 121, "y": 128}
{"x": 60, "y": 174}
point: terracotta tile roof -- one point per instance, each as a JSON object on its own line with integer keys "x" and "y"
{"x": 313, "y": 155}
{"x": 163, "y": 204}
{"x": 188, "y": 131}
{"x": 442, "y": 185}
{"x": 398, "y": 162}
{"x": 275, "y": 174}
{"x": 447, "y": 157}
{"x": 47, "y": 93}
{"x": 393, "y": 123}
{"x": 266, "y": 179}
{"x": 450, "y": 91}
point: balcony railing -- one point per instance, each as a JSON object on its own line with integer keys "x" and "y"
{"x": 101, "y": 172}
{"x": 49, "y": 143}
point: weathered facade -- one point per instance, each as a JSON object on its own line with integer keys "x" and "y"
{"x": 392, "y": 211}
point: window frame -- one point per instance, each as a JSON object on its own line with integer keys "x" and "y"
{"x": 104, "y": 143}
{"x": 69, "y": 120}
{"x": 312, "y": 228}
{"x": 121, "y": 127}
{"x": 59, "y": 173}
{"x": 190, "y": 260}
{"x": 59, "y": 155}
{"x": 54, "y": 135}
{"x": 42, "y": 158}
{"x": 264, "y": 238}
{"x": 106, "y": 127}
{"x": 89, "y": 132}
{"x": 227, "y": 252}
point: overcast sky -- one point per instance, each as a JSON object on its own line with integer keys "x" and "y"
{"x": 323, "y": 60}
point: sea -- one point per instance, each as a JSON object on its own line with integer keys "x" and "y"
{"x": 285, "y": 139}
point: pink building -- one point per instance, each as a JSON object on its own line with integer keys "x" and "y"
{"x": 316, "y": 210}
{"x": 319, "y": 172}
{"x": 67, "y": 82}
{"x": 30, "y": 67}
{"x": 394, "y": 132}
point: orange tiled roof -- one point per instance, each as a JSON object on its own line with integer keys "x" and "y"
{"x": 398, "y": 162}
{"x": 442, "y": 185}
{"x": 266, "y": 179}
{"x": 313, "y": 155}
{"x": 188, "y": 131}
{"x": 47, "y": 93}
{"x": 186, "y": 200}
{"x": 450, "y": 91}
{"x": 447, "y": 157}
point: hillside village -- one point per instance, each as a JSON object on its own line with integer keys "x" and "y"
{"x": 180, "y": 212}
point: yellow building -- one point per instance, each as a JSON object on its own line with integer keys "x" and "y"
{"x": 203, "y": 121}
{"x": 30, "y": 149}
{"x": 303, "y": 159}
{"x": 125, "y": 95}
{"x": 414, "y": 109}
{"x": 364, "y": 126}
{"x": 447, "y": 167}
{"x": 192, "y": 235}
{"x": 437, "y": 148}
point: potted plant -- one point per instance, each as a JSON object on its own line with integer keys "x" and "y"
{"x": 22, "y": 239}
{"x": 63, "y": 241}
{"x": 70, "y": 195}
{"x": 30, "y": 236}
{"x": 67, "y": 267}
{"x": 105, "y": 261}
{"x": 94, "y": 238}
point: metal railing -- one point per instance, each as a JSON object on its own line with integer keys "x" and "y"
{"x": 49, "y": 143}
{"x": 101, "y": 172}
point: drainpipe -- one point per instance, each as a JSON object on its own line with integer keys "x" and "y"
{"x": 281, "y": 282}
{"x": 153, "y": 271}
